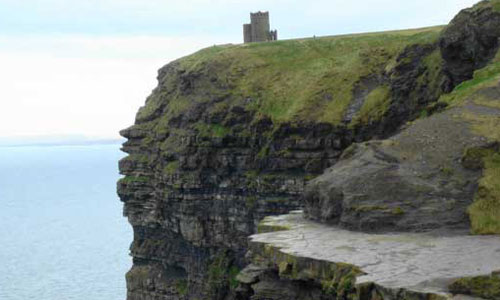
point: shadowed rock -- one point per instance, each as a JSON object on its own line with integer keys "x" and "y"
{"x": 470, "y": 41}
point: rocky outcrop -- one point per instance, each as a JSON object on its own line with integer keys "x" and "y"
{"x": 233, "y": 133}
{"x": 470, "y": 41}
{"x": 413, "y": 181}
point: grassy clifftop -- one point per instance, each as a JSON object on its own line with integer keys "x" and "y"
{"x": 305, "y": 79}
{"x": 308, "y": 78}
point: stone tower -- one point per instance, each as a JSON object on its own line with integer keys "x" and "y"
{"x": 259, "y": 29}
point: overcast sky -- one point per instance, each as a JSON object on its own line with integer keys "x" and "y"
{"x": 86, "y": 66}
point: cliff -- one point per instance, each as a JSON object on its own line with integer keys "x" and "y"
{"x": 233, "y": 134}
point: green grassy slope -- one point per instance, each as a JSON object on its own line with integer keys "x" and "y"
{"x": 495, "y": 4}
{"x": 306, "y": 79}
{"x": 484, "y": 213}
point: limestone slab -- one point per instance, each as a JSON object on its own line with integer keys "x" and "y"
{"x": 420, "y": 262}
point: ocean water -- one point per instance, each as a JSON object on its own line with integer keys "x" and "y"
{"x": 62, "y": 234}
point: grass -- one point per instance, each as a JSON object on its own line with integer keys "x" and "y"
{"x": 423, "y": 114}
{"x": 484, "y": 101}
{"x": 368, "y": 208}
{"x": 171, "y": 167}
{"x": 221, "y": 273}
{"x": 138, "y": 158}
{"x": 494, "y": 4}
{"x": 433, "y": 74}
{"x": 264, "y": 228}
{"x": 484, "y": 213}
{"x": 181, "y": 286}
{"x": 133, "y": 179}
{"x": 153, "y": 104}
{"x": 341, "y": 281}
{"x": 375, "y": 106}
{"x": 232, "y": 274}
{"x": 336, "y": 279}
{"x": 212, "y": 130}
{"x": 486, "y": 287}
{"x": 397, "y": 211}
{"x": 485, "y": 125}
{"x": 303, "y": 79}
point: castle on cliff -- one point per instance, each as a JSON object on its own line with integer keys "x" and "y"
{"x": 259, "y": 30}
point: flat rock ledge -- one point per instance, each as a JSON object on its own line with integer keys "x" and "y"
{"x": 396, "y": 265}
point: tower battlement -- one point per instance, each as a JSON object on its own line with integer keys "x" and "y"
{"x": 260, "y": 14}
{"x": 259, "y": 29}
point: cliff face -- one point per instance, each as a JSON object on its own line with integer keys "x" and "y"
{"x": 233, "y": 133}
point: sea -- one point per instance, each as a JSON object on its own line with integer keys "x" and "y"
{"x": 62, "y": 233}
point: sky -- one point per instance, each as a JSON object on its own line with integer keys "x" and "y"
{"x": 84, "y": 67}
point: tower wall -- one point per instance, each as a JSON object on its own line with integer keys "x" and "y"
{"x": 247, "y": 33}
{"x": 259, "y": 29}
{"x": 260, "y": 26}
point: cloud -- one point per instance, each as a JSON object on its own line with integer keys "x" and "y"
{"x": 213, "y": 17}
{"x": 77, "y": 84}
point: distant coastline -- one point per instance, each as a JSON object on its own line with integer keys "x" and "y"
{"x": 57, "y": 141}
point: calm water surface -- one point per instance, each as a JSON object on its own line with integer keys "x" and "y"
{"x": 62, "y": 234}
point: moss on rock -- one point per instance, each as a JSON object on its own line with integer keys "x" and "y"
{"x": 494, "y": 4}
{"x": 133, "y": 179}
{"x": 484, "y": 213}
{"x": 181, "y": 287}
{"x": 171, "y": 167}
{"x": 340, "y": 282}
{"x": 221, "y": 275}
{"x": 263, "y": 228}
{"x": 337, "y": 280}
{"x": 375, "y": 106}
{"x": 487, "y": 287}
